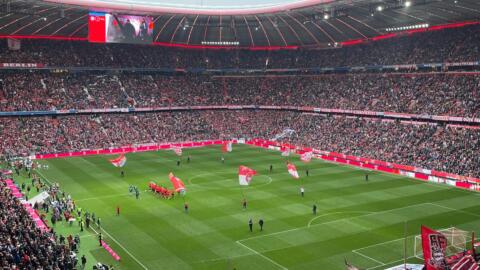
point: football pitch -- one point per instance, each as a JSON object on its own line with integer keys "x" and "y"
{"x": 361, "y": 221}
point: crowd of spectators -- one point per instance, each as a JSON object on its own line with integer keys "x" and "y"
{"x": 434, "y": 147}
{"x": 448, "y": 45}
{"x": 423, "y": 145}
{"x": 22, "y": 136}
{"x": 419, "y": 93}
{"x": 427, "y": 145}
{"x": 22, "y": 245}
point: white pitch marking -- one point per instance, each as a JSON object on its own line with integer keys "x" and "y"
{"x": 342, "y": 212}
{"x": 50, "y": 183}
{"x": 111, "y": 237}
{"x": 404, "y": 177}
{"x": 120, "y": 245}
{"x": 107, "y": 196}
{"x": 333, "y": 221}
{"x": 370, "y": 258}
{"x": 382, "y": 243}
{"x": 208, "y": 173}
{"x": 87, "y": 235}
{"x": 454, "y": 209}
{"x": 261, "y": 255}
{"x": 221, "y": 259}
{"x": 264, "y": 184}
{"x": 389, "y": 263}
{"x": 270, "y": 180}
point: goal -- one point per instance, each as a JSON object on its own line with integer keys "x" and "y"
{"x": 457, "y": 241}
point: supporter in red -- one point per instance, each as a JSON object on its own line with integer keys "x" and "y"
{"x": 22, "y": 245}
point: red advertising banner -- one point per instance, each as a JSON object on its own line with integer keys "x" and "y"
{"x": 464, "y": 182}
{"x": 459, "y": 181}
{"x": 464, "y": 185}
{"x": 421, "y": 176}
{"x": 131, "y": 149}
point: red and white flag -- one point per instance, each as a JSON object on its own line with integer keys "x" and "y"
{"x": 245, "y": 175}
{"x": 292, "y": 170}
{"x": 306, "y": 157}
{"x": 285, "y": 152}
{"x": 227, "y": 147}
{"x": 434, "y": 245}
{"x": 177, "y": 150}
{"x": 177, "y": 183}
{"x": 120, "y": 161}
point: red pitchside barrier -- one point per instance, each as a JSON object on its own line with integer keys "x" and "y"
{"x": 464, "y": 182}
{"x": 131, "y": 149}
{"x": 459, "y": 181}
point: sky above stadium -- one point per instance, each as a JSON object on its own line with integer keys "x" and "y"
{"x": 213, "y": 7}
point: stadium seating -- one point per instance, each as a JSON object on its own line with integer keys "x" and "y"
{"x": 27, "y": 243}
{"x": 432, "y": 94}
{"x": 23, "y": 244}
{"x": 449, "y": 45}
{"x": 432, "y": 146}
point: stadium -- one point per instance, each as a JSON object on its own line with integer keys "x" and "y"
{"x": 232, "y": 135}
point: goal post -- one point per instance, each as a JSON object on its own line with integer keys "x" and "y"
{"x": 457, "y": 241}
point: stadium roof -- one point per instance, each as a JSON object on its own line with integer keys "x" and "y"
{"x": 204, "y": 7}
{"x": 317, "y": 25}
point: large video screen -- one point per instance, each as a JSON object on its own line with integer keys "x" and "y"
{"x": 129, "y": 29}
{"x": 111, "y": 28}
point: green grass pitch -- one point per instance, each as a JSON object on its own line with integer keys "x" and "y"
{"x": 358, "y": 220}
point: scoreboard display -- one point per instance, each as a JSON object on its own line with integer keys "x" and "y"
{"x": 113, "y": 28}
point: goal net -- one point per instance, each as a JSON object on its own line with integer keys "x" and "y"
{"x": 457, "y": 241}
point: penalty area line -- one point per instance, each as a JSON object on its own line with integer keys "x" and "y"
{"x": 357, "y": 251}
{"x": 333, "y": 221}
{"x": 370, "y": 258}
{"x": 392, "y": 262}
{"x": 261, "y": 255}
{"x": 454, "y": 209}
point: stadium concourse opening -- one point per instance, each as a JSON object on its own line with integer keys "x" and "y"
{"x": 275, "y": 135}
